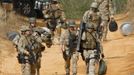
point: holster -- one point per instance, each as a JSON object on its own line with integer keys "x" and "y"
{"x": 21, "y": 58}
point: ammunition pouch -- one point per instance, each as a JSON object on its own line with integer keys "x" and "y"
{"x": 31, "y": 60}
{"x": 97, "y": 55}
{"x": 21, "y": 58}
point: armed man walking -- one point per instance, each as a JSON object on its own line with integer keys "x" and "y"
{"x": 107, "y": 12}
{"x": 54, "y": 17}
{"x": 41, "y": 35}
{"x": 29, "y": 52}
{"x": 33, "y": 27}
{"x": 68, "y": 47}
{"x": 90, "y": 38}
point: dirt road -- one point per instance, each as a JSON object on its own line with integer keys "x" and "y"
{"x": 118, "y": 50}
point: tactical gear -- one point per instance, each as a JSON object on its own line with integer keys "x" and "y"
{"x": 82, "y": 28}
{"x": 32, "y": 19}
{"x": 102, "y": 67}
{"x": 68, "y": 40}
{"x": 72, "y": 40}
{"x": 33, "y": 57}
{"x": 24, "y": 28}
{"x": 71, "y": 23}
{"x": 113, "y": 26}
{"x": 94, "y": 5}
{"x": 21, "y": 58}
{"x": 90, "y": 26}
{"x": 12, "y": 35}
{"x": 89, "y": 43}
{"x": 127, "y": 29}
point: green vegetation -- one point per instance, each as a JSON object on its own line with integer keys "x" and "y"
{"x": 76, "y": 8}
{"x": 120, "y": 6}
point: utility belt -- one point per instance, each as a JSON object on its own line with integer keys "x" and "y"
{"x": 22, "y": 58}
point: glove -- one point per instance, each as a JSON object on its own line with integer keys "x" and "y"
{"x": 26, "y": 53}
{"x": 102, "y": 55}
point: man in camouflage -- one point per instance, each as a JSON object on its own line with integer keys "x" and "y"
{"x": 29, "y": 52}
{"x": 90, "y": 38}
{"x": 54, "y": 17}
{"x": 107, "y": 12}
{"x": 68, "y": 47}
{"x": 33, "y": 27}
{"x": 42, "y": 35}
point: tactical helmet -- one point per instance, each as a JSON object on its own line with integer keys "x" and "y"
{"x": 94, "y": 5}
{"x": 32, "y": 19}
{"x": 71, "y": 23}
{"x": 24, "y": 28}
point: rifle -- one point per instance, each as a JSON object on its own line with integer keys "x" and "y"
{"x": 32, "y": 57}
{"x": 82, "y": 28}
{"x": 98, "y": 47}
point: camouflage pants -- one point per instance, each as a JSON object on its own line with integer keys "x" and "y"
{"x": 31, "y": 69}
{"x": 90, "y": 60}
{"x": 67, "y": 57}
{"x": 105, "y": 30}
{"x": 105, "y": 18}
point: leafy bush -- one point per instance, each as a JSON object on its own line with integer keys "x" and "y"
{"x": 76, "y": 8}
{"x": 120, "y": 5}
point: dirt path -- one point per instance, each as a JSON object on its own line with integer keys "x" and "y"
{"x": 118, "y": 51}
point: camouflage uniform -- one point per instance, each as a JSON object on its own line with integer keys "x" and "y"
{"x": 107, "y": 12}
{"x": 90, "y": 38}
{"x": 54, "y": 10}
{"x": 68, "y": 44}
{"x": 29, "y": 67}
{"x": 55, "y": 17}
{"x": 42, "y": 34}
